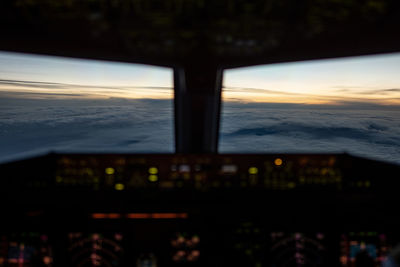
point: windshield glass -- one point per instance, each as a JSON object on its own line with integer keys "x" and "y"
{"x": 73, "y": 105}
{"x": 338, "y": 105}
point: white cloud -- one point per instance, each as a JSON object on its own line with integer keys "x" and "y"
{"x": 283, "y": 128}
{"x": 114, "y": 125}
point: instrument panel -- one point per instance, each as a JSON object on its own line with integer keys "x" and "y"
{"x": 256, "y": 247}
{"x": 124, "y": 172}
{"x": 198, "y": 210}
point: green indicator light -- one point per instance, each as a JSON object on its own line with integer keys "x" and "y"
{"x": 253, "y": 170}
{"x": 153, "y": 170}
{"x": 153, "y": 178}
{"x": 110, "y": 171}
{"x": 119, "y": 187}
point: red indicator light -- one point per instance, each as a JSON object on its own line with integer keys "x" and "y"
{"x": 169, "y": 215}
{"x": 106, "y": 216}
{"x": 99, "y": 215}
{"x": 138, "y": 215}
{"x": 114, "y": 216}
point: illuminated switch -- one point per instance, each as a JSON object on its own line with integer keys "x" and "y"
{"x": 153, "y": 170}
{"x": 153, "y": 178}
{"x": 119, "y": 187}
{"x": 193, "y": 255}
{"x": 229, "y": 168}
{"x": 253, "y": 170}
{"x": 109, "y": 171}
{"x": 184, "y": 168}
{"x": 186, "y": 248}
{"x": 278, "y": 162}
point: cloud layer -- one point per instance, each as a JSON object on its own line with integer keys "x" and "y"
{"x": 33, "y": 126}
{"x": 36, "y": 126}
{"x": 365, "y": 130}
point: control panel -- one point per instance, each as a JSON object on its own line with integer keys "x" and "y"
{"x": 198, "y": 210}
{"x": 198, "y": 172}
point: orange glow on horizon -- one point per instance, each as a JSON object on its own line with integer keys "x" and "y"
{"x": 369, "y": 79}
{"x": 249, "y": 96}
{"x": 229, "y": 94}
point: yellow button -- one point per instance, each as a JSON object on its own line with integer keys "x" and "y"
{"x": 253, "y": 170}
{"x": 119, "y": 187}
{"x": 153, "y": 170}
{"x": 110, "y": 171}
{"x": 153, "y": 178}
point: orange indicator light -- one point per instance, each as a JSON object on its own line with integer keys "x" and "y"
{"x": 278, "y": 162}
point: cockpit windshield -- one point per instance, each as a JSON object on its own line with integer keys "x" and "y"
{"x": 72, "y": 105}
{"x": 336, "y": 105}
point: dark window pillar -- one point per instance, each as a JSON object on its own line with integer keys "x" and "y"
{"x": 197, "y": 108}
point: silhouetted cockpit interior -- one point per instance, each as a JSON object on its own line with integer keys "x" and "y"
{"x": 231, "y": 172}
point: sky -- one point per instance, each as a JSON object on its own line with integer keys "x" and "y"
{"x": 24, "y": 74}
{"x": 71, "y": 105}
{"x": 369, "y": 79}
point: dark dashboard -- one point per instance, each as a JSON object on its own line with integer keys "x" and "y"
{"x": 198, "y": 210}
{"x": 149, "y": 210}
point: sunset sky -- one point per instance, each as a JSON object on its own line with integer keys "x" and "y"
{"x": 371, "y": 79}
{"x": 49, "y": 76}
{"x": 74, "y": 105}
